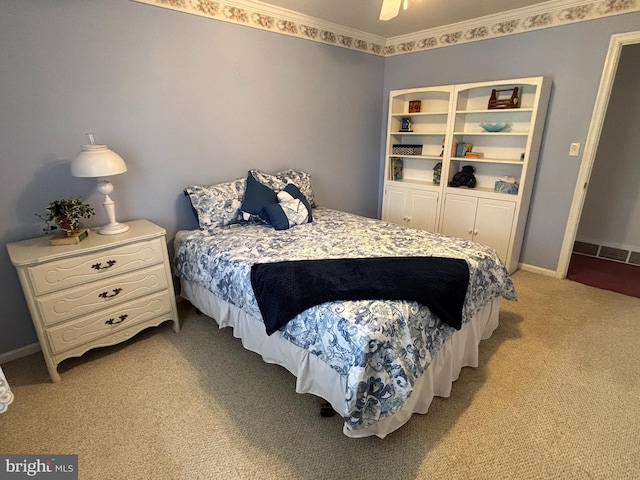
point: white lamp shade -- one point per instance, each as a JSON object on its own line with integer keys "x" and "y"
{"x": 97, "y": 161}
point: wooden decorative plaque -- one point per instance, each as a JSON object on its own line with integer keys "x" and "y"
{"x": 415, "y": 106}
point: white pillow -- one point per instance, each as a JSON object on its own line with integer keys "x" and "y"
{"x": 293, "y": 208}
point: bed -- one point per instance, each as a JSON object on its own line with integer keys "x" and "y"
{"x": 376, "y": 362}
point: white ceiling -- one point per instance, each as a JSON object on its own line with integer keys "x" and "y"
{"x": 421, "y": 14}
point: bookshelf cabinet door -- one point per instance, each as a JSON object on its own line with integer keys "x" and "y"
{"x": 459, "y": 216}
{"x": 395, "y": 206}
{"x": 423, "y": 210}
{"x": 493, "y": 225}
{"x": 411, "y": 208}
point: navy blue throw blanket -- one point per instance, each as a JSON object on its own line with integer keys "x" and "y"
{"x": 286, "y": 289}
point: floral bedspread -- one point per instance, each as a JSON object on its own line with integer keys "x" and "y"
{"x": 381, "y": 347}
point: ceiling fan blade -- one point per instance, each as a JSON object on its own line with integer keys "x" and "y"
{"x": 390, "y": 9}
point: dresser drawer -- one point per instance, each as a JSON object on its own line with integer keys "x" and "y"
{"x": 69, "y": 272}
{"x": 81, "y": 300}
{"x": 87, "y": 329}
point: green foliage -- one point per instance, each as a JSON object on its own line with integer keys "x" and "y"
{"x": 65, "y": 214}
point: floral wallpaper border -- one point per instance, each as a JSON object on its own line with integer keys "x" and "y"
{"x": 548, "y": 14}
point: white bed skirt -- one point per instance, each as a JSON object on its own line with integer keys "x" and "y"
{"x": 316, "y": 377}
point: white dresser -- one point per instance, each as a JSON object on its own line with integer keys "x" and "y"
{"x": 99, "y": 292}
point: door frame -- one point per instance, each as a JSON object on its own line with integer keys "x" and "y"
{"x": 591, "y": 145}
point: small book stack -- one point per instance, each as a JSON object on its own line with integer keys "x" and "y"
{"x": 396, "y": 169}
{"x": 74, "y": 238}
{"x": 460, "y": 149}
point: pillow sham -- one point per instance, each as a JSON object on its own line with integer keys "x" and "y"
{"x": 256, "y": 197}
{"x": 217, "y": 205}
{"x": 279, "y": 180}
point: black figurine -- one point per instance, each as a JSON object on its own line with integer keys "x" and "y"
{"x": 464, "y": 178}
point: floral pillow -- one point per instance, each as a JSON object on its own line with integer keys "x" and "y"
{"x": 278, "y": 181}
{"x": 217, "y": 205}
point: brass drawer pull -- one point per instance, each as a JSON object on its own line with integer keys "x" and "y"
{"x": 98, "y": 266}
{"x": 106, "y": 295}
{"x": 111, "y": 321}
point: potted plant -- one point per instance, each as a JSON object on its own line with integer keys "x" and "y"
{"x": 65, "y": 214}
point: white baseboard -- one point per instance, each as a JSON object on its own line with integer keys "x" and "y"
{"x": 540, "y": 271}
{"x": 19, "y": 353}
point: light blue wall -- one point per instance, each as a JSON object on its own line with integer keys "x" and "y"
{"x": 573, "y": 56}
{"x": 183, "y": 100}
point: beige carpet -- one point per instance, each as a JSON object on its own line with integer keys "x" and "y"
{"x": 556, "y": 396}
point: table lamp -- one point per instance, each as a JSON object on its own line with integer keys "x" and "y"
{"x": 97, "y": 161}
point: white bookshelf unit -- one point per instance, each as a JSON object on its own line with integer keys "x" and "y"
{"x": 431, "y": 127}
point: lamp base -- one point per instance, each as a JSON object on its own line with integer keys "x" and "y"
{"x": 113, "y": 228}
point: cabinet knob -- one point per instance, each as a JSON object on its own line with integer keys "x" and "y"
{"x": 476, "y": 232}
{"x": 470, "y": 231}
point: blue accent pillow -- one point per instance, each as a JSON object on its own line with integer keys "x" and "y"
{"x": 274, "y": 215}
{"x": 256, "y": 197}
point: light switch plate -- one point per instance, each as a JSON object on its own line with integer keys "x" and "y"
{"x": 574, "y": 149}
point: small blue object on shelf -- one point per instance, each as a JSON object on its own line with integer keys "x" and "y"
{"x": 506, "y": 187}
{"x": 494, "y": 127}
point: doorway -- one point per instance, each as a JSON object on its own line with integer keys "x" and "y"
{"x": 606, "y": 253}
{"x": 593, "y": 139}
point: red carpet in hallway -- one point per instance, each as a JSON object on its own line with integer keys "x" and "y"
{"x": 596, "y": 272}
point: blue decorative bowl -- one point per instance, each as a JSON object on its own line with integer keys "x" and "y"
{"x": 494, "y": 127}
